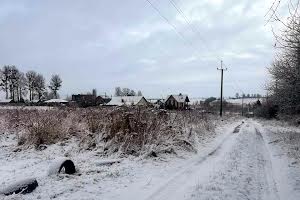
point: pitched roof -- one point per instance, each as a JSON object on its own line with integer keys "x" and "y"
{"x": 181, "y": 98}
{"x": 124, "y": 100}
{"x": 5, "y": 100}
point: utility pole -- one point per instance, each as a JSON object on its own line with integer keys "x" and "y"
{"x": 243, "y": 104}
{"x": 221, "y": 100}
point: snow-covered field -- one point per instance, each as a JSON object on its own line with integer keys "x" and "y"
{"x": 257, "y": 160}
{"x": 243, "y": 101}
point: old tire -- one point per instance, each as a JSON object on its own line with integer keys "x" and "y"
{"x": 21, "y": 187}
{"x": 61, "y": 164}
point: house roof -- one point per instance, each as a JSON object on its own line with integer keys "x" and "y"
{"x": 181, "y": 98}
{"x": 5, "y": 100}
{"x": 124, "y": 100}
{"x": 56, "y": 101}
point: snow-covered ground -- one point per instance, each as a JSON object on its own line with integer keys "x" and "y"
{"x": 256, "y": 161}
{"x": 243, "y": 101}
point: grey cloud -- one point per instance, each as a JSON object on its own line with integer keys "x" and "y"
{"x": 104, "y": 44}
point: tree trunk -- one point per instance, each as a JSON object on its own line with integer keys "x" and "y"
{"x": 6, "y": 91}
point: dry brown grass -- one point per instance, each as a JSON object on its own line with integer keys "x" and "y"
{"x": 124, "y": 130}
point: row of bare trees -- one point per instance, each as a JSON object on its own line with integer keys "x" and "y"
{"x": 18, "y": 85}
{"x": 284, "y": 87}
{"x": 126, "y": 92}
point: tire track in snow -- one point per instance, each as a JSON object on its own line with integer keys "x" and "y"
{"x": 180, "y": 182}
{"x": 238, "y": 168}
{"x": 245, "y": 172}
{"x": 269, "y": 171}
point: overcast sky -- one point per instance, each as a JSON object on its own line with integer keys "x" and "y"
{"x": 107, "y": 43}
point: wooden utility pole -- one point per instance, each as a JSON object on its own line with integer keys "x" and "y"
{"x": 243, "y": 104}
{"x": 221, "y": 100}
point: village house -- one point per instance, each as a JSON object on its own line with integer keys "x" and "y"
{"x": 128, "y": 101}
{"x": 179, "y": 102}
{"x": 87, "y": 100}
{"x": 157, "y": 103}
{"x": 6, "y": 101}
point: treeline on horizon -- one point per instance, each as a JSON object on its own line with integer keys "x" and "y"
{"x": 31, "y": 85}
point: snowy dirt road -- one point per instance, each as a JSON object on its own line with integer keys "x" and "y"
{"x": 239, "y": 167}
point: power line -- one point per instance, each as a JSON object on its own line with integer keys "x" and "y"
{"x": 274, "y": 10}
{"x": 271, "y": 8}
{"x": 172, "y": 25}
{"x": 187, "y": 42}
{"x": 192, "y": 27}
{"x": 234, "y": 81}
{"x": 187, "y": 20}
{"x": 195, "y": 30}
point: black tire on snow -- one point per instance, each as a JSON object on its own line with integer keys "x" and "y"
{"x": 69, "y": 167}
{"x": 62, "y": 163}
{"x": 21, "y": 187}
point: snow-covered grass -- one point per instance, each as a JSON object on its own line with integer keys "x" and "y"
{"x": 94, "y": 180}
{"x": 243, "y": 101}
{"x": 135, "y": 131}
{"x": 27, "y": 108}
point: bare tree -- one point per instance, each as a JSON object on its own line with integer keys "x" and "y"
{"x": 14, "y": 76}
{"x": 118, "y": 92}
{"x": 132, "y": 93}
{"x": 237, "y": 95}
{"x": 139, "y": 93}
{"x": 126, "y": 92}
{"x": 285, "y": 70}
{"x": 5, "y": 80}
{"x": 22, "y": 90}
{"x": 55, "y": 84}
{"x": 31, "y": 77}
{"x": 39, "y": 85}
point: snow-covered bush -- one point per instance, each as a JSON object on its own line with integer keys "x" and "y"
{"x": 144, "y": 130}
{"x": 37, "y": 127}
{"x": 45, "y": 127}
{"x": 267, "y": 111}
{"x": 95, "y": 119}
{"x": 124, "y": 130}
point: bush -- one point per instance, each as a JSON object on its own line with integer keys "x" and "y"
{"x": 95, "y": 120}
{"x": 135, "y": 131}
{"x": 266, "y": 111}
{"x": 45, "y": 128}
{"x": 36, "y": 127}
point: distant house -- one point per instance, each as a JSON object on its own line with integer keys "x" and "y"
{"x": 52, "y": 102}
{"x": 157, "y": 103}
{"x": 105, "y": 99}
{"x": 6, "y": 101}
{"x": 179, "y": 102}
{"x": 128, "y": 101}
{"x": 87, "y": 100}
